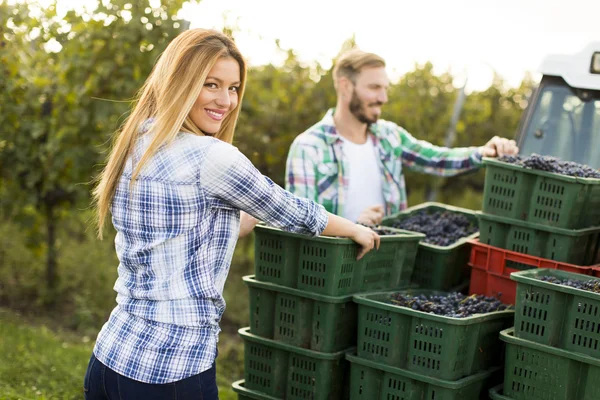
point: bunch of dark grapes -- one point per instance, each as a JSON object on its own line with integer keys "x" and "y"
{"x": 515, "y": 159}
{"x": 589, "y": 285}
{"x": 552, "y": 164}
{"x": 454, "y": 304}
{"x": 441, "y": 228}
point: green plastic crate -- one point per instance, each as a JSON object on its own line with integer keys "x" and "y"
{"x": 533, "y": 371}
{"x": 439, "y": 267}
{"x": 496, "y": 393}
{"x": 280, "y": 370}
{"x": 438, "y": 346}
{"x": 557, "y": 315}
{"x": 317, "y": 322}
{"x": 373, "y": 381}
{"x": 328, "y": 265}
{"x": 246, "y": 394}
{"x": 540, "y": 197}
{"x": 579, "y": 247}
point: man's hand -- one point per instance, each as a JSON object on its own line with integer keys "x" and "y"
{"x": 247, "y": 224}
{"x": 371, "y": 215}
{"x": 498, "y": 147}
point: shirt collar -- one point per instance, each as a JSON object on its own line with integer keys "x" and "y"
{"x": 331, "y": 134}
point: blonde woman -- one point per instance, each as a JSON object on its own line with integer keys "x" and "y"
{"x": 180, "y": 195}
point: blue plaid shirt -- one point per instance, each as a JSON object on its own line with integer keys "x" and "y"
{"x": 176, "y": 231}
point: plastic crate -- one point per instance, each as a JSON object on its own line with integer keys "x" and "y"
{"x": 557, "y": 315}
{"x": 439, "y": 267}
{"x": 371, "y": 381}
{"x": 491, "y": 268}
{"x": 438, "y": 346}
{"x": 533, "y": 371}
{"x": 299, "y": 318}
{"x": 246, "y": 394}
{"x": 281, "y": 370}
{"x": 496, "y": 393}
{"x": 328, "y": 265}
{"x": 541, "y": 197}
{"x": 578, "y": 247}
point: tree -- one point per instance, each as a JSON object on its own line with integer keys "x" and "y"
{"x": 421, "y": 102}
{"x": 280, "y": 103}
{"x": 495, "y": 111}
{"x": 67, "y": 82}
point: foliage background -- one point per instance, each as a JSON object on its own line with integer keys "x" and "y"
{"x": 65, "y": 87}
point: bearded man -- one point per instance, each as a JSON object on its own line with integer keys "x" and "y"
{"x": 352, "y": 161}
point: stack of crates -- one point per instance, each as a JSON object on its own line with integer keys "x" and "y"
{"x": 439, "y": 267}
{"x": 402, "y": 353}
{"x": 553, "y": 351}
{"x": 302, "y": 314}
{"x": 546, "y": 217}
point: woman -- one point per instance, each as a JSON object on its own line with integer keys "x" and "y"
{"x": 176, "y": 187}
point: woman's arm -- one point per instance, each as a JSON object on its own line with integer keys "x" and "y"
{"x": 247, "y": 224}
{"x": 338, "y": 226}
{"x": 229, "y": 176}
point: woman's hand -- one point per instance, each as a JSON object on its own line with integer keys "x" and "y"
{"x": 366, "y": 238}
{"x": 247, "y": 224}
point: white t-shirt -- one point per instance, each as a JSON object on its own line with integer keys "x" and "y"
{"x": 364, "y": 178}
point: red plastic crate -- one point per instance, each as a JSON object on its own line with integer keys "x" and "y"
{"x": 595, "y": 270}
{"x": 491, "y": 268}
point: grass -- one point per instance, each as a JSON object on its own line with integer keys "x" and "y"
{"x": 38, "y": 360}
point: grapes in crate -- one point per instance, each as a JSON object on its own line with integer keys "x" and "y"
{"x": 453, "y": 304}
{"x": 552, "y": 164}
{"x": 589, "y": 285}
{"x": 441, "y": 228}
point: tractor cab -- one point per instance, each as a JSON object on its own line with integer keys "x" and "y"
{"x": 563, "y": 115}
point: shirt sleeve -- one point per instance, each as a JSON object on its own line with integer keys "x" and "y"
{"x": 422, "y": 156}
{"x": 228, "y": 175}
{"x": 300, "y": 170}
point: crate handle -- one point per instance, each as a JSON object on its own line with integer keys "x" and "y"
{"x": 521, "y": 259}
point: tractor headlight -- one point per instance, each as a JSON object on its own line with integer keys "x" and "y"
{"x": 595, "y": 67}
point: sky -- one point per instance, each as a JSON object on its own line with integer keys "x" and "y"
{"x": 469, "y": 38}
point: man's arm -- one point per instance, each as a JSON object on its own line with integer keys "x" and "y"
{"x": 422, "y": 156}
{"x": 301, "y": 170}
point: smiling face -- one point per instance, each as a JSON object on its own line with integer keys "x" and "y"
{"x": 218, "y": 97}
{"x": 369, "y": 94}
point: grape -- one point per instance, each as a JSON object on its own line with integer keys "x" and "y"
{"x": 454, "y": 304}
{"x": 516, "y": 159}
{"x": 552, "y": 164}
{"x": 441, "y": 228}
{"x": 591, "y": 285}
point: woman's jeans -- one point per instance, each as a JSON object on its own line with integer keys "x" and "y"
{"x": 102, "y": 383}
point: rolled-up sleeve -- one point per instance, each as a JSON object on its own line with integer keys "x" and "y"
{"x": 228, "y": 175}
{"x": 422, "y": 156}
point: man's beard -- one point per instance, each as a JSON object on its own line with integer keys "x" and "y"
{"x": 358, "y": 109}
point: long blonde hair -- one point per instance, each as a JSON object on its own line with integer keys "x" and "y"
{"x": 167, "y": 97}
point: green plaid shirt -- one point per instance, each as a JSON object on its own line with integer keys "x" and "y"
{"x": 317, "y": 169}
